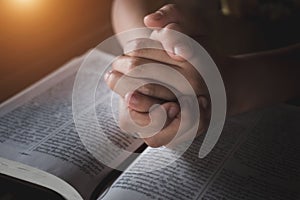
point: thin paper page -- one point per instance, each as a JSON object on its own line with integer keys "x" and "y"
{"x": 256, "y": 158}
{"x": 41, "y": 132}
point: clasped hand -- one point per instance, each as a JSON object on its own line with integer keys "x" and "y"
{"x": 139, "y": 104}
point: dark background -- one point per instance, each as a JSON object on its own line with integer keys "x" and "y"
{"x": 38, "y": 36}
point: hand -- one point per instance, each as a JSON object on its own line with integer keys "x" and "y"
{"x": 139, "y": 103}
{"x": 171, "y": 17}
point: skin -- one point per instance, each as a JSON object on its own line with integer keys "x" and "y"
{"x": 251, "y": 80}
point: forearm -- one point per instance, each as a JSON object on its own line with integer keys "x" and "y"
{"x": 260, "y": 79}
{"x": 129, "y": 14}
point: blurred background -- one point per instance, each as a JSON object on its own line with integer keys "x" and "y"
{"x": 38, "y": 36}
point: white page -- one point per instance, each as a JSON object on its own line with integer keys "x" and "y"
{"x": 257, "y": 157}
{"x": 37, "y": 128}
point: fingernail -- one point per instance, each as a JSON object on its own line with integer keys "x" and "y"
{"x": 172, "y": 112}
{"x": 157, "y": 15}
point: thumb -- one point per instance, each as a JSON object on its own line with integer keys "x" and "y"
{"x": 177, "y": 45}
{"x": 162, "y": 17}
{"x": 164, "y": 136}
{"x": 172, "y": 110}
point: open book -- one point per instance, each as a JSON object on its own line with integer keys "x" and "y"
{"x": 257, "y": 156}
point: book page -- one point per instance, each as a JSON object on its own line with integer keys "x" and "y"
{"x": 37, "y": 129}
{"x": 257, "y": 157}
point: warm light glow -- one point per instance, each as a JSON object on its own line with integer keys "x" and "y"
{"x": 23, "y": 6}
{"x": 24, "y": 1}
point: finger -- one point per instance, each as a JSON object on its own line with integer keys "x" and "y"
{"x": 204, "y": 108}
{"x": 158, "y": 120}
{"x": 139, "y": 102}
{"x": 149, "y": 49}
{"x": 140, "y": 118}
{"x": 134, "y": 67}
{"x": 157, "y": 91}
{"x": 169, "y": 131}
{"x": 164, "y": 16}
{"x": 126, "y": 64}
{"x": 187, "y": 120}
{"x": 178, "y": 46}
{"x": 128, "y": 116}
{"x": 136, "y": 60}
{"x": 113, "y": 77}
{"x": 113, "y": 80}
